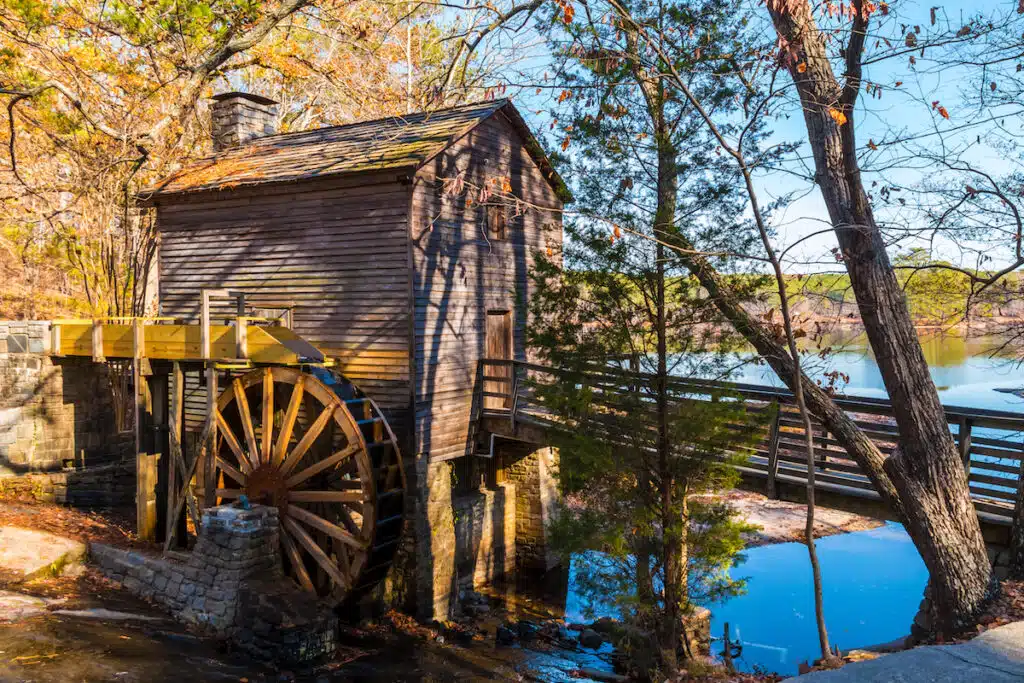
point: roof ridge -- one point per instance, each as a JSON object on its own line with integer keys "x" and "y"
{"x": 496, "y": 103}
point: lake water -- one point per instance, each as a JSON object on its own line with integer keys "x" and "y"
{"x": 873, "y": 582}
{"x": 965, "y": 371}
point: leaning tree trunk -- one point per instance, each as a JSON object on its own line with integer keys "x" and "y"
{"x": 926, "y": 468}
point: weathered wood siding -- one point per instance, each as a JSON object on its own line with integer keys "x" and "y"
{"x": 458, "y": 275}
{"x": 335, "y": 249}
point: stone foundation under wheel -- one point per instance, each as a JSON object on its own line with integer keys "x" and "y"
{"x": 231, "y": 587}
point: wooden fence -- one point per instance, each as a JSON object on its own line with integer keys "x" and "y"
{"x": 991, "y": 442}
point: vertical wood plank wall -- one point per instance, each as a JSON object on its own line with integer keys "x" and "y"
{"x": 336, "y": 248}
{"x": 458, "y": 275}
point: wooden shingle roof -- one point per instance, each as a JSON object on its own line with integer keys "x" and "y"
{"x": 391, "y": 143}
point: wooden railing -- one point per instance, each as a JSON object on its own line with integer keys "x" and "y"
{"x": 991, "y": 443}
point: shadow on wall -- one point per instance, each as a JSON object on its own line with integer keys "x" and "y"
{"x": 57, "y": 429}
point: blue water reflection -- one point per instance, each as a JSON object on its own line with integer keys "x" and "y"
{"x": 873, "y": 582}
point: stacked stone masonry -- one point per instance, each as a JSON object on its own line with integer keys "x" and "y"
{"x": 58, "y": 440}
{"x": 237, "y": 120}
{"x": 485, "y": 536}
{"x": 232, "y": 587}
{"x": 533, "y": 473}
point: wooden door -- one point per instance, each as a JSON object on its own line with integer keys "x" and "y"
{"x": 498, "y": 347}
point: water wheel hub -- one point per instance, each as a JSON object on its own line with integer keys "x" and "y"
{"x": 266, "y": 486}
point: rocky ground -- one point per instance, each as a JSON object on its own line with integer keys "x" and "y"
{"x": 783, "y": 522}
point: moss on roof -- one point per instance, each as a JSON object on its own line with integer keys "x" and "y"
{"x": 391, "y": 143}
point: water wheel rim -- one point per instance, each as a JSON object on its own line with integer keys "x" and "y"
{"x": 266, "y": 463}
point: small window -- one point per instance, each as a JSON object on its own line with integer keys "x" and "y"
{"x": 497, "y": 222}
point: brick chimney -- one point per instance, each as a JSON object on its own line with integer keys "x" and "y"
{"x": 239, "y": 117}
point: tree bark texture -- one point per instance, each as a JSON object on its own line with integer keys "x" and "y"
{"x": 926, "y": 468}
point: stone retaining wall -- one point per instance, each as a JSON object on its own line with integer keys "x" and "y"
{"x": 54, "y": 413}
{"x": 533, "y": 471}
{"x": 485, "y": 535}
{"x": 232, "y": 586}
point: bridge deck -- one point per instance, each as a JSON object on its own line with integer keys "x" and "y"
{"x": 991, "y": 443}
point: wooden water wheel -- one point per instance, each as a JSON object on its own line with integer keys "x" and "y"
{"x": 313, "y": 446}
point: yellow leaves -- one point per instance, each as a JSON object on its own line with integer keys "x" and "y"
{"x": 837, "y": 116}
{"x": 564, "y": 95}
{"x": 566, "y": 142}
{"x": 617, "y": 232}
{"x": 801, "y": 67}
{"x": 940, "y": 109}
{"x": 872, "y": 146}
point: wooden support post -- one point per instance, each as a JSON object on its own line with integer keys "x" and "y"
{"x": 97, "y": 342}
{"x": 174, "y": 464}
{"x": 209, "y": 481}
{"x": 773, "y": 453}
{"x": 241, "y": 337}
{"x": 55, "y": 339}
{"x": 145, "y": 495}
{"x": 204, "y": 326}
{"x": 963, "y": 439}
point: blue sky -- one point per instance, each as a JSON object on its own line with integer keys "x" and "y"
{"x": 902, "y": 111}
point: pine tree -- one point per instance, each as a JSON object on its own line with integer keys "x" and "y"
{"x": 635, "y": 464}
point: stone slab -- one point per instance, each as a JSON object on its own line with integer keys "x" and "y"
{"x": 16, "y": 606}
{"x": 31, "y": 553}
{"x": 996, "y": 656}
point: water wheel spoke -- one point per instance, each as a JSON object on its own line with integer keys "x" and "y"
{"x": 346, "y": 519}
{"x": 322, "y": 524}
{"x": 324, "y": 464}
{"x": 316, "y": 551}
{"x": 226, "y": 468}
{"x": 341, "y": 552}
{"x": 230, "y": 494}
{"x": 243, "y": 412}
{"x": 244, "y": 461}
{"x": 268, "y": 413}
{"x": 308, "y": 438}
{"x": 325, "y": 497}
{"x": 288, "y": 424}
{"x": 292, "y": 551}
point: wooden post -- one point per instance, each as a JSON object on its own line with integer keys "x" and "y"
{"x": 97, "y": 342}
{"x": 55, "y": 339}
{"x": 241, "y": 337}
{"x": 145, "y": 495}
{"x": 177, "y": 390}
{"x": 773, "y": 452}
{"x": 209, "y": 481}
{"x": 204, "y": 326}
{"x": 963, "y": 439}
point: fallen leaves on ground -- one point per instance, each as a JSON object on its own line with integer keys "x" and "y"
{"x": 101, "y": 527}
{"x": 1007, "y": 608}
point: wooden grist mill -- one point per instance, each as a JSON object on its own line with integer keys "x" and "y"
{"x": 280, "y": 427}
